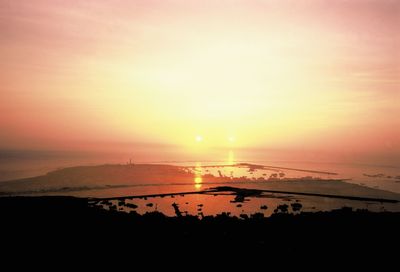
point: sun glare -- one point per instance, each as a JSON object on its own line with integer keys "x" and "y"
{"x": 198, "y": 180}
{"x": 199, "y": 138}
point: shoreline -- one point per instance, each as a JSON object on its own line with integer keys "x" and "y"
{"x": 243, "y": 192}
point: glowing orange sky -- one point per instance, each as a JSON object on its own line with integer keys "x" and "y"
{"x": 250, "y": 74}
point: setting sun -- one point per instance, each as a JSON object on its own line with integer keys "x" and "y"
{"x": 199, "y": 138}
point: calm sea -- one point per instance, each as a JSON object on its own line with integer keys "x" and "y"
{"x": 22, "y": 164}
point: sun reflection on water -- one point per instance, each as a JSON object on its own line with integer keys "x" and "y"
{"x": 227, "y": 169}
{"x": 198, "y": 180}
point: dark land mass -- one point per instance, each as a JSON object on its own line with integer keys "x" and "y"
{"x": 68, "y": 225}
{"x": 242, "y": 193}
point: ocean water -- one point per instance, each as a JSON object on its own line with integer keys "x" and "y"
{"x": 335, "y": 178}
{"x": 23, "y": 164}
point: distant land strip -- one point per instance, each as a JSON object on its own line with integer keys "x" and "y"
{"x": 262, "y": 167}
{"x": 247, "y": 192}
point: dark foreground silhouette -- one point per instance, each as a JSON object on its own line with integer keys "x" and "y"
{"x": 67, "y": 224}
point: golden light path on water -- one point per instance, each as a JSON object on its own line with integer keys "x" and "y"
{"x": 198, "y": 179}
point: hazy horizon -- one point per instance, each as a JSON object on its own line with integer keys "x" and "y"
{"x": 170, "y": 154}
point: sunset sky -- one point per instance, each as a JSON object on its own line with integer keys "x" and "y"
{"x": 291, "y": 75}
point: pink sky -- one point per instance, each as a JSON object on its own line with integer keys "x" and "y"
{"x": 301, "y": 75}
